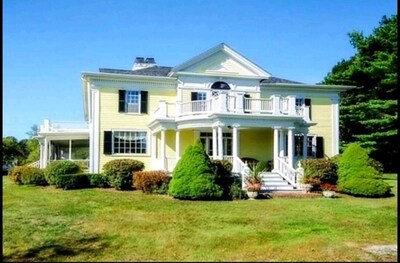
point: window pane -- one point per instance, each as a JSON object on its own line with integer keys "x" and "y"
{"x": 132, "y": 101}
{"x": 130, "y": 142}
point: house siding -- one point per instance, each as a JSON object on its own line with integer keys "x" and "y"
{"x": 321, "y": 112}
{"x": 111, "y": 119}
{"x": 257, "y": 144}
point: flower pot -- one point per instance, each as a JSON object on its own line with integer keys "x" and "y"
{"x": 306, "y": 188}
{"x": 328, "y": 193}
{"x": 252, "y": 194}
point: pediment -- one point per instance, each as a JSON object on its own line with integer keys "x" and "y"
{"x": 222, "y": 60}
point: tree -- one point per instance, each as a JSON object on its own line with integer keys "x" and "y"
{"x": 368, "y": 113}
{"x": 193, "y": 176}
{"x": 12, "y": 152}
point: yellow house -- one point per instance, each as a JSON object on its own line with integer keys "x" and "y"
{"x": 239, "y": 111}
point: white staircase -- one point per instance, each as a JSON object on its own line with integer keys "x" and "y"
{"x": 275, "y": 182}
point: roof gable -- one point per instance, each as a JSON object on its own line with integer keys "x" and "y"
{"x": 221, "y": 60}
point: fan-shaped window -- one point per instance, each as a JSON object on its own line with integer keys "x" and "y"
{"x": 220, "y": 85}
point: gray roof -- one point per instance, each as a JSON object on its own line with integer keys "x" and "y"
{"x": 275, "y": 80}
{"x": 158, "y": 71}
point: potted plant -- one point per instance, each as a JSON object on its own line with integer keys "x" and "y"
{"x": 308, "y": 183}
{"x": 254, "y": 179}
{"x": 328, "y": 190}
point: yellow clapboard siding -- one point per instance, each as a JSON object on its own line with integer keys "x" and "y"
{"x": 256, "y": 144}
{"x": 111, "y": 119}
{"x": 321, "y": 113}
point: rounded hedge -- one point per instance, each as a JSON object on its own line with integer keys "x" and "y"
{"x": 60, "y": 167}
{"x": 27, "y": 175}
{"x": 119, "y": 172}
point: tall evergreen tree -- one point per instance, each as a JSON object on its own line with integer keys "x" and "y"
{"x": 369, "y": 112}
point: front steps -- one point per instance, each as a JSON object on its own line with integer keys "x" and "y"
{"x": 275, "y": 182}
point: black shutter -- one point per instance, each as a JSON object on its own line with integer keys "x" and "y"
{"x": 107, "y": 142}
{"x": 307, "y": 102}
{"x": 143, "y": 102}
{"x": 121, "y": 104}
{"x": 194, "y": 96}
{"x": 320, "y": 147}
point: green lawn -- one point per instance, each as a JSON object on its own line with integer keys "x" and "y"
{"x": 48, "y": 224}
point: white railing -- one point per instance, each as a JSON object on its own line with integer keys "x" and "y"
{"x": 63, "y": 126}
{"x": 226, "y": 103}
{"x": 238, "y": 165}
{"x": 284, "y": 105}
{"x": 35, "y": 164}
{"x": 287, "y": 172}
{"x": 195, "y": 107}
{"x": 258, "y": 105}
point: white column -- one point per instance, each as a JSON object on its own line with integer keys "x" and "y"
{"x": 154, "y": 151}
{"x": 335, "y": 125}
{"x": 214, "y": 142}
{"x": 276, "y": 148}
{"x": 235, "y": 144}
{"x": 220, "y": 145}
{"x": 45, "y": 152}
{"x": 162, "y": 154}
{"x": 305, "y": 145}
{"x": 70, "y": 150}
{"x": 281, "y": 143}
{"x": 290, "y": 146}
{"x": 177, "y": 145}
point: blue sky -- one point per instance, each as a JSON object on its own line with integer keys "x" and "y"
{"x": 47, "y": 44}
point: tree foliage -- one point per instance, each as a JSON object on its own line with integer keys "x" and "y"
{"x": 368, "y": 113}
{"x": 193, "y": 176}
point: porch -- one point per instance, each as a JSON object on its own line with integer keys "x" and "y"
{"x": 64, "y": 140}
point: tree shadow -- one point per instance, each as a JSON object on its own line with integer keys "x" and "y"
{"x": 53, "y": 252}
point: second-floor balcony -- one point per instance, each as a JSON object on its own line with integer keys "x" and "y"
{"x": 228, "y": 104}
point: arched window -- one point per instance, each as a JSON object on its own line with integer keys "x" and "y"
{"x": 220, "y": 85}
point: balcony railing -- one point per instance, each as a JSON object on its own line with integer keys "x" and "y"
{"x": 63, "y": 126}
{"x": 224, "y": 103}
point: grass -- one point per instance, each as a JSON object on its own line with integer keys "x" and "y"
{"x": 48, "y": 224}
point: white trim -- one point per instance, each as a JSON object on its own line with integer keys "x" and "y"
{"x": 335, "y": 125}
{"x": 132, "y": 130}
{"x": 94, "y": 133}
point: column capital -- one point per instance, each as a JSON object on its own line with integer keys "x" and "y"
{"x": 277, "y": 127}
{"x": 291, "y": 128}
{"x": 235, "y": 125}
{"x": 218, "y": 124}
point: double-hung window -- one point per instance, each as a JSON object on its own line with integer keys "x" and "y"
{"x": 132, "y": 101}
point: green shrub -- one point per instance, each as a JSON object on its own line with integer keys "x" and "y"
{"x": 119, "y": 172}
{"x": 355, "y": 160}
{"x": 224, "y": 178}
{"x": 60, "y": 167}
{"x": 193, "y": 176}
{"x": 358, "y": 176}
{"x": 33, "y": 176}
{"x": 72, "y": 181}
{"x": 365, "y": 187}
{"x": 98, "y": 180}
{"x": 152, "y": 181}
{"x": 236, "y": 191}
{"x": 323, "y": 170}
{"x": 14, "y": 174}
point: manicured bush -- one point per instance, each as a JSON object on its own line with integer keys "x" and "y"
{"x": 358, "y": 176}
{"x": 98, "y": 180}
{"x": 27, "y": 175}
{"x": 365, "y": 187}
{"x": 14, "y": 174}
{"x": 324, "y": 170}
{"x": 60, "y": 167}
{"x": 152, "y": 181}
{"x": 355, "y": 161}
{"x": 236, "y": 191}
{"x": 33, "y": 176}
{"x": 193, "y": 176}
{"x": 119, "y": 172}
{"x": 72, "y": 181}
